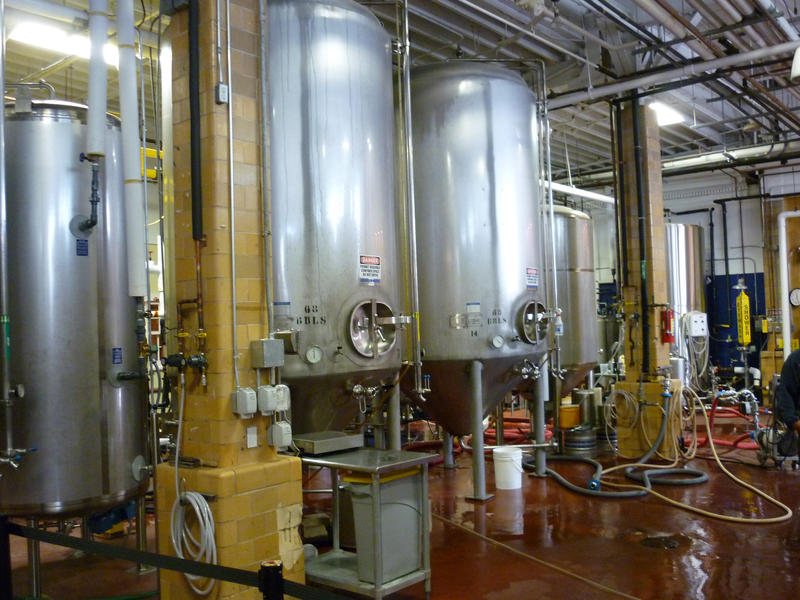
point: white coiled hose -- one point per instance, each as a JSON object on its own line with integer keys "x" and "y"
{"x": 203, "y": 547}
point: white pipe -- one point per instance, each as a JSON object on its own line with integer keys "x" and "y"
{"x": 783, "y": 23}
{"x": 131, "y": 152}
{"x": 574, "y": 191}
{"x": 603, "y": 91}
{"x": 783, "y": 261}
{"x": 98, "y": 27}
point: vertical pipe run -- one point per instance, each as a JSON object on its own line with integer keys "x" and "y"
{"x": 231, "y": 190}
{"x": 640, "y": 205}
{"x": 620, "y": 212}
{"x": 141, "y": 532}
{"x": 34, "y": 565}
{"x": 783, "y": 261}
{"x": 727, "y": 259}
{"x": 132, "y": 155}
{"x": 394, "y": 418}
{"x": 5, "y": 341}
{"x": 266, "y": 200}
{"x": 194, "y": 119}
{"x": 416, "y": 342}
{"x": 476, "y": 410}
{"x": 542, "y": 393}
{"x": 96, "y": 120}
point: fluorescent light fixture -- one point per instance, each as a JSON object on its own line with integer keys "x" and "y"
{"x": 666, "y": 115}
{"x": 573, "y": 191}
{"x": 58, "y": 40}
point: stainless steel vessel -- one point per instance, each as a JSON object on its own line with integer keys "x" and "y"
{"x": 73, "y": 325}
{"x": 577, "y": 294}
{"x": 333, "y": 205}
{"x": 475, "y": 140}
{"x": 685, "y": 281}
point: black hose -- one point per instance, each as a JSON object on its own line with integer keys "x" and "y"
{"x": 194, "y": 119}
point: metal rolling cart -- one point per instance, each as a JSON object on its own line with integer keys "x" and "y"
{"x": 339, "y": 568}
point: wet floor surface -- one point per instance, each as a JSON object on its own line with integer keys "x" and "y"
{"x": 538, "y": 542}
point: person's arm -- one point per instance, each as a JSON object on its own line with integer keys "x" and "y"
{"x": 787, "y": 393}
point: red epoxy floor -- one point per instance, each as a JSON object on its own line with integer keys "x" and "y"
{"x": 598, "y": 539}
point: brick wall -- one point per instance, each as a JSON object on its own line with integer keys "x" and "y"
{"x": 257, "y": 494}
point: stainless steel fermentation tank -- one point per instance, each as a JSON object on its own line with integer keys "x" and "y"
{"x": 72, "y": 323}
{"x": 334, "y": 223}
{"x": 577, "y": 294}
{"x": 685, "y": 280}
{"x": 476, "y": 154}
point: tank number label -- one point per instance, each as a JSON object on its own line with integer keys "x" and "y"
{"x": 532, "y": 278}
{"x": 116, "y": 356}
{"x": 312, "y": 316}
{"x": 369, "y": 269}
{"x": 496, "y": 318}
{"x": 82, "y": 247}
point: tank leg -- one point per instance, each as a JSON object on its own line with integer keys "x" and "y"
{"x": 541, "y": 394}
{"x": 394, "y": 418}
{"x": 34, "y": 565}
{"x": 141, "y": 534}
{"x": 6, "y": 589}
{"x": 447, "y": 450}
{"x": 499, "y": 425}
{"x": 476, "y": 409}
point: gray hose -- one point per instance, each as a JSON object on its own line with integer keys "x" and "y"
{"x": 646, "y": 478}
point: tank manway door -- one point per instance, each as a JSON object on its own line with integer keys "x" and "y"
{"x": 373, "y": 328}
{"x": 532, "y": 323}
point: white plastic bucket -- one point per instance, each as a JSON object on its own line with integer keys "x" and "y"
{"x": 507, "y": 468}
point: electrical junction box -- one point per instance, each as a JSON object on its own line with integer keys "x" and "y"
{"x": 266, "y": 353}
{"x": 244, "y": 402}
{"x": 279, "y": 434}
{"x": 284, "y": 398}
{"x": 698, "y": 324}
{"x": 267, "y": 399}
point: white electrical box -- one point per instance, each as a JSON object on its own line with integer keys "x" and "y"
{"x": 698, "y": 324}
{"x": 267, "y": 399}
{"x": 279, "y": 434}
{"x": 283, "y": 397}
{"x": 245, "y": 402}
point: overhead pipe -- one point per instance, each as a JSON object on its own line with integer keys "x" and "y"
{"x": 98, "y": 85}
{"x": 131, "y": 154}
{"x": 783, "y": 260}
{"x": 787, "y": 28}
{"x": 697, "y": 68}
{"x": 416, "y": 340}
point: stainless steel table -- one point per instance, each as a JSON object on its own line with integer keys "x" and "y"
{"x": 339, "y": 568}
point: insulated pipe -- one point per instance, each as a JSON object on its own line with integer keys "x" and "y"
{"x": 637, "y": 156}
{"x": 131, "y": 154}
{"x": 96, "y": 120}
{"x": 266, "y": 199}
{"x": 194, "y": 120}
{"x": 603, "y": 91}
{"x": 783, "y": 23}
{"x": 416, "y": 342}
{"x": 476, "y": 408}
{"x": 783, "y": 260}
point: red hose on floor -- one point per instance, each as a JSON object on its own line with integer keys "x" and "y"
{"x": 742, "y": 442}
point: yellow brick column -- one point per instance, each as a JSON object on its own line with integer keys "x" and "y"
{"x": 256, "y": 494}
{"x": 655, "y": 244}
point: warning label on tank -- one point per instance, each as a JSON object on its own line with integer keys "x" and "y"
{"x": 369, "y": 269}
{"x": 116, "y": 356}
{"x": 532, "y": 278}
{"x": 82, "y": 247}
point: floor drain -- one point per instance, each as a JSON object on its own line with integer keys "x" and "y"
{"x": 663, "y": 542}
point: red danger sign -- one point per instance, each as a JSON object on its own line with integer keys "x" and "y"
{"x": 370, "y": 260}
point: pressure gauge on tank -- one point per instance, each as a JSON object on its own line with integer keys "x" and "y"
{"x": 314, "y": 354}
{"x": 794, "y": 297}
